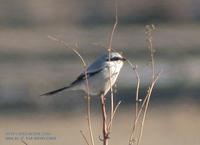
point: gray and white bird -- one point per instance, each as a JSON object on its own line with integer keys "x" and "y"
{"x": 98, "y": 75}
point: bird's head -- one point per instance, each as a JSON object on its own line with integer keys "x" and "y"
{"x": 115, "y": 57}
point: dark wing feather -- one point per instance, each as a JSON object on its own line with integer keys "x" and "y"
{"x": 82, "y": 76}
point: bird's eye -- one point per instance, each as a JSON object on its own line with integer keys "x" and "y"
{"x": 113, "y": 59}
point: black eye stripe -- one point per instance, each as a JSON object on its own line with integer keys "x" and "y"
{"x": 114, "y": 59}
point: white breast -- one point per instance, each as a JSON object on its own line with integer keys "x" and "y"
{"x": 100, "y": 83}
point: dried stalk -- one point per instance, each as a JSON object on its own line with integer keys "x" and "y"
{"x": 137, "y": 91}
{"x": 25, "y": 143}
{"x": 88, "y": 97}
{"x": 149, "y": 30}
{"x": 112, "y": 117}
{"x": 137, "y": 113}
{"x": 88, "y": 90}
{"x": 134, "y": 67}
{"x": 109, "y": 49}
{"x": 145, "y": 103}
{"x": 107, "y": 125}
{"x": 147, "y": 99}
{"x": 84, "y": 137}
{"x": 104, "y": 117}
{"x": 132, "y": 139}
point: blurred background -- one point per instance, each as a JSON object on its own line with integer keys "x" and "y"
{"x": 32, "y": 64}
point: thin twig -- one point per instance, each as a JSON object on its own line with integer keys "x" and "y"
{"x": 104, "y": 117}
{"x": 84, "y": 137}
{"x": 107, "y": 130}
{"x": 145, "y": 103}
{"x": 149, "y": 30}
{"x": 134, "y": 67}
{"x": 137, "y": 113}
{"x": 24, "y": 142}
{"x": 88, "y": 96}
{"x": 140, "y": 112}
{"x": 114, "y": 27}
{"x": 137, "y": 91}
{"x": 147, "y": 99}
{"x": 114, "y": 112}
{"x": 109, "y": 49}
{"x": 87, "y": 84}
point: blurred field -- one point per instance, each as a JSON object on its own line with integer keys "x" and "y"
{"x": 164, "y": 125}
{"x": 32, "y": 64}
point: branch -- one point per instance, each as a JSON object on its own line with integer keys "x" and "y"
{"x": 145, "y": 103}
{"x": 24, "y": 142}
{"x": 87, "y": 84}
{"x": 114, "y": 112}
{"x": 134, "y": 67}
{"x": 109, "y": 49}
{"x": 88, "y": 96}
{"x": 149, "y": 31}
{"x": 104, "y": 117}
{"x": 147, "y": 98}
{"x": 84, "y": 137}
{"x": 137, "y": 114}
{"x": 114, "y": 27}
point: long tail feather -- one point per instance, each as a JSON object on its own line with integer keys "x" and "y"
{"x": 55, "y": 91}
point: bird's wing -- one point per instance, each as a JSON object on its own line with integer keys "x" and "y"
{"x": 82, "y": 76}
{"x": 92, "y": 69}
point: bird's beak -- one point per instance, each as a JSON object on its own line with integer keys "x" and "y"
{"x": 123, "y": 59}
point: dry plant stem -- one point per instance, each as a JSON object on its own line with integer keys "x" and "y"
{"x": 104, "y": 117}
{"x": 149, "y": 30}
{"x": 89, "y": 110}
{"x": 114, "y": 27}
{"x": 112, "y": 117}
{"x": 87, "y": 84}
{"x": 147, "y": 98}
{"x": 134, "y": 67}
{"x": 109, "y": 49}
{"x": 84, "y": 137}
{"x": 88, "y": 98}
{"x": 24, "y": 142}
{"x": 140, "y": 112}
{"x": 132, "y": 137}
{"x": 137, "y": 92}
{"x": 137, "y": 113}
{"x": 145, "y": 104}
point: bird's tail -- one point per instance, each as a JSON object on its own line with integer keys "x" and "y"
{"x": 55, "y": 91}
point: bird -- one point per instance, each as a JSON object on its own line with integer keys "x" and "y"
{"x": 99, "y": 77}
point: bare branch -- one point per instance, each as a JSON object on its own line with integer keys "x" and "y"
{"x": 104, "y": 117}
{"x": 149, "y": 31}
{"x": 24, "y": 142}
{"x": 87, "y": 84}
{"x": 144, "y": 107}
{"x": 114, "y": 112}
{"x": 147, "y": 99}
{"x": 84, "y": 137}
{"x": 88, "y": 96}
{"x": 114, "y": 27}
{"x": 137, "y": 114}
{"x": 134, "y": 67}
{"x": 58, "y": 40}
{"x": 109, "y": 49}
